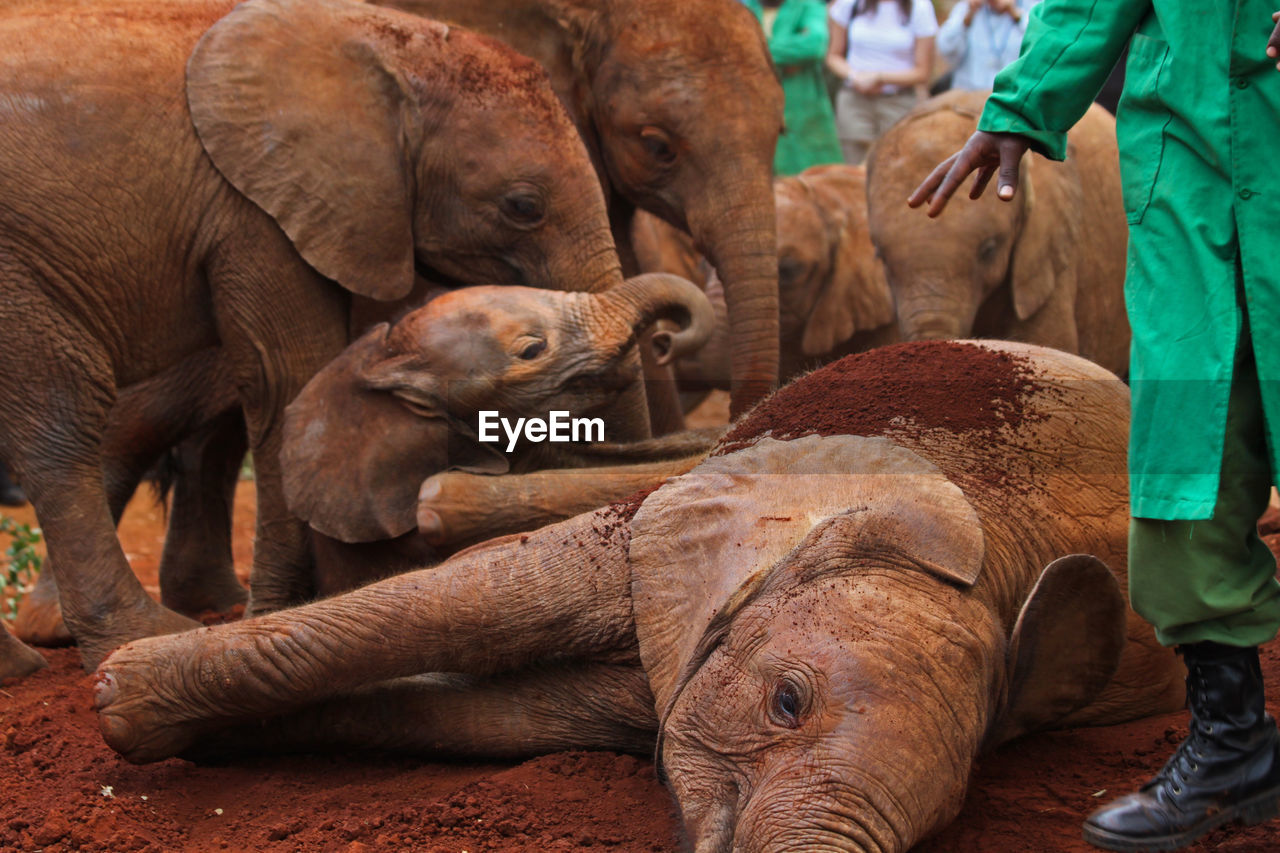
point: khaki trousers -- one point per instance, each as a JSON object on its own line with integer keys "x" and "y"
{"x": 862, "y": 119}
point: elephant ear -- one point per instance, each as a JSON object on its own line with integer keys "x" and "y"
{"x": 1043, "y": 258}
{"x": 856, "y": 296}
{"x": 705, "y": 542}
{"x": 298, "y": 109}
{"x": 1065, "y": 646}
{"x": 355, "y": 454}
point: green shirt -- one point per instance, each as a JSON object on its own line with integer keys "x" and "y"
{"x": 798, "y": 44}
{"x": 1198, "y": 127}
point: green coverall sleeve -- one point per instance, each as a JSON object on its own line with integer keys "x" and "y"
{"x": 807, "y": 43}
{"x": 1069, "y": 49}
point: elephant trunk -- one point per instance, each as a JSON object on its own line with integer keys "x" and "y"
{"x": 640, "y": 301}
{"x": 927, "y": 312}
{"x": 740, "y": 240}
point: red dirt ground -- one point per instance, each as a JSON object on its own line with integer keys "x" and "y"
{"x": 62, "y": 789}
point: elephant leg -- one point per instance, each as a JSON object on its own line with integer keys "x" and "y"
{"x": 456, "y": 508}
{"x": 39, "y": 620}
{"x": 494, "y": 608}
{"x": 270, "y": 361}
{"x": 197, "y": 572}
{"x": 542, "y": 709}
{"x": 17, "y": 660}
{"x": 53, "y": 422}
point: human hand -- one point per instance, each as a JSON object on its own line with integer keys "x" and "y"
{"x": 974, "y": 6}
{"x": 1273, "y": 43}
{"x": 866, "y": 82}
{"x": 1007, "y": 7}
{"x": 984, "y": 152}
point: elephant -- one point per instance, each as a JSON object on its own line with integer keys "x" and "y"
{"x": 404, "y": 402}
{"x": 193, "y": 400}
{"x": 1046, "y": 269}
{"x": 234, "y": 184}
{"x": 815, "y": 630}
{"x": 374, "y": 422}
{"x": 832, "y": 295}
{"x": 680, "y": 107}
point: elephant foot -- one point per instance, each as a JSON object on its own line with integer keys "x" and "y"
{"x": 39, "y": 619}
{"x": 221, "y": 595}
{"x": 139, "y": 694}
{"x": 149, "y": 620}
{"x": 17, "y": 660}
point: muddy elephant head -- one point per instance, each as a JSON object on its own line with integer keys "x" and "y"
{"x": 380, "y": 142}
{"x": 681, "y": 108}
{"x": 402, "y": 402}
{"x": 1046, "y": 268}
{"x": 830, "y": 690}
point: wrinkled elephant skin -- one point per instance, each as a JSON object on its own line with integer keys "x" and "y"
{"x": 681, "y": 108}
{"x": 235, "y": 183}
{"x": 821, "y": 627}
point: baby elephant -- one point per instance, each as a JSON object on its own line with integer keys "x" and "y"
{"x": 403, "y": 403}
{"x": 833, "y": 298}
{"x": 872, "y": 578}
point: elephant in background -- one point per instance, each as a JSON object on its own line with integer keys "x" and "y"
{"x": 402, "y": 403}
{"x": 819, "y": 626}
{"x": 234, "y": 184}
{"x": 832, "y": 293}
{"x": 681, "y": 108}
{"x": 1047, "y": 268}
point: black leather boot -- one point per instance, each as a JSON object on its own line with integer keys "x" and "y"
{"x": 1228, "y": 768}
{"x": 10, "y": 494}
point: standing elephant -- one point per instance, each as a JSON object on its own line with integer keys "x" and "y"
{"x": 402, "y": 403}
{"x": 680, "y": 107}
{"x": 202, "y": 174}
{"x": 820, "y": 626}
{"x": 1047, "y": 269}
{"x": 832, "y": 295}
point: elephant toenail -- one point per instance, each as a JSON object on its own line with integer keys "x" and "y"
{"x": 104, "y": 690}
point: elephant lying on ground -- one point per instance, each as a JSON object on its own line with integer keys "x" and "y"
{"x": 402, "y": 403}
{"x": 833, "y": 299}
{"x": 897, "y": 560}
{"x": 1047, "y": 268}
{"x": 233, "y": 184}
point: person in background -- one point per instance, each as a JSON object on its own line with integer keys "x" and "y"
{"x": 981, "y": 37}
{"x": 797, "y": 33}
{"x": 883, "y": 51}
{"x": 1197, "y": 125}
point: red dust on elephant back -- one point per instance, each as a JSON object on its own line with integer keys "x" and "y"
{"x": 956, "y": 387}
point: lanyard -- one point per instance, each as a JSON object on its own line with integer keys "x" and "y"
{"x": 997, "y": 49}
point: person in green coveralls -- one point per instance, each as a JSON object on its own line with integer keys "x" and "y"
{"x": 1199, "y": 112}
{"x": 798, "y": 44}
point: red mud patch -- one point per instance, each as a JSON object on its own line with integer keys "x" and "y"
{"x": 55, "y": 772}
{"x": 959, "y": 388}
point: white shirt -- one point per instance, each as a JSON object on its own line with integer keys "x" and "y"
{"x": 881, "y": 40}
{"x": 977, "y": 53}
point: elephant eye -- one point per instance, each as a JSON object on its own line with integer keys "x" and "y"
{"x": 658, "y": 145}
{"x": 532, "y": 350}
{"x": 987, "y": 251}
{"x": 787, "y": 703}
{"x": 523, "y": 207}
{"x": 789, "y": 269}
